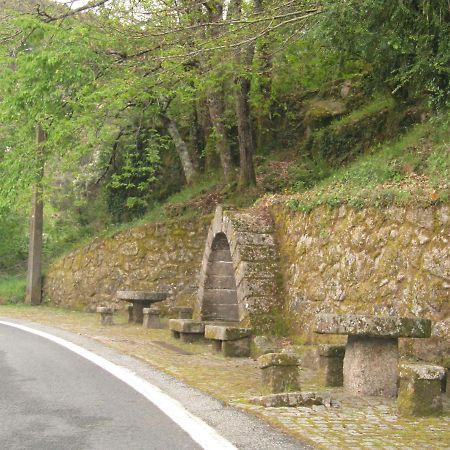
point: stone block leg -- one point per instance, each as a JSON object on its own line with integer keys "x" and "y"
{"x": 371, "y": 366}
{"x": 106, "y": 315}
{"x": 330, "y": 362}
{"x": 237, "y": 348}
{"x": 276, "y": 379}
{"x": 175, "y": 334}
{"x": 130, "y": 313}
{"x": 420, "y": 390}
{"x": 151, "y": 318}
{"x": 138, "y": 312}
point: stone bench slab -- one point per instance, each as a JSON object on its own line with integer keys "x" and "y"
{"x": 374, "y": 326}
{"x": 421, "y": 372}
{"x": 226, "y": 333}
{"x": 277, "y": 359}
{"x": 187, "y": 326}
{"x": 150, "y": 296}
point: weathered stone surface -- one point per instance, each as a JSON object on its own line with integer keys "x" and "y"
{"x": 106, "y": 315}
{"x": 183, "y": 312}
{"x": 277, "y": 379}
{"x": 277, "y": 359}
{"x": 262, "y": 345}
{"x": 332, "y": 351}
{"x": 370, "y": 261}
{"x": 331, "y": 361}
{"x": 226, "y": 333}
{"x": 150, "y": 296}
{"x": 420, "y": 390}
{"x": 361, "y": 325}
{"x": 187, "y": 326}
{"x": 237, "y": 348}
{"x": 293, "y": 400}
{"x": 371, "y": 366}
{"x": 151, "y": 318}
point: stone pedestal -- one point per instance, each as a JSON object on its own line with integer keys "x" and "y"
{"x": 106, "y": 315}
{"x": 331, "y": 360}
{"x": 231, "y": 341}
{"x": 420, "y": 390}
{"x": 279, "y": 372}
{"x": 371, "y": 365}
{"x": 151, "y": 318}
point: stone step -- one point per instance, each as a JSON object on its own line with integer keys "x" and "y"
{"x": 220, "y": 312}
{"x": 220, "y": 268}
{"x": 220, "y": 296}
{"x": 220, "y": 282}
{"x": 220, "y": 255}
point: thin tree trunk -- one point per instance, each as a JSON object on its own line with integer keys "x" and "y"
{"x": 34, "y": 273}
{"x": 216, "y": 112}
{"x": 244, "y": 58}
{"x": 182, "y": 150}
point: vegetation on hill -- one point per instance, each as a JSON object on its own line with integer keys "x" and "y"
{"x": 154, "y": 110}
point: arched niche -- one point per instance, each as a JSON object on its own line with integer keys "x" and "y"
{"x": 220, "y": 300}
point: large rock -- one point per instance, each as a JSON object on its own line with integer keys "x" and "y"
{"x": 279, "y": 373}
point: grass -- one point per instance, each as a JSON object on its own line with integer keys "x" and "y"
{"x": 12, "y": 288}
{"x": 415, "y": 169}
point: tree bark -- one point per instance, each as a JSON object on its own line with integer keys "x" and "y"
{"x": 34, "y": 273}
{"x": 182, "y": 150}
{"x": 244, "y": 58}
{"x": 216, "y": 112}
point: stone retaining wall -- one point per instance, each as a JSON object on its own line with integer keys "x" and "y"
{"x": 163, "y": 257}
{"x": 374, "y": 261}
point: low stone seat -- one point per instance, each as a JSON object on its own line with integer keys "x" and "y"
{"x": 279, "y": 372}
{"x": 151, "y": 318}
{"x": 187, "y": 330}
{"x": 420, "y": 390}
{"x": 331, "y": 361}
{"x": 106, "y": 314}
{"x": 232, "y": 341}
{"x": 371, "y": 354}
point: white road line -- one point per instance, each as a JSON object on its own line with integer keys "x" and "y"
{"x": 198, "y": 430}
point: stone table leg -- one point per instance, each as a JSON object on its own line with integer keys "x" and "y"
{"x": 138, "y": 312}
{"x": 371, "y": 366}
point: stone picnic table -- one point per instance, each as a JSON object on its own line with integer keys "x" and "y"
{"x": 371, "y": 353}
{"x": 140, "y": 300}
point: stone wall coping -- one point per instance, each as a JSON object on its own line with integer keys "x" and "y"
{"x": 187, "y": 326}
{"x": 421, "y": 371}
{"x": 142, "y": 296}
{"x": 226, "y": 333}
{"x": 332, "y": 351}
{"x": 373, "y": 326}
{"x": 277, "y": 359}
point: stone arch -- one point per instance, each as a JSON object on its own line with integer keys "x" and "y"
{"x": 238, "y": 278}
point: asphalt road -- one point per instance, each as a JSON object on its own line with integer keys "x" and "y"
{"x": 52, "y": 398}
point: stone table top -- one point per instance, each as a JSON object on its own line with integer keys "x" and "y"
{"x": 373, "y": 326}
{"x": 142, "y": 296}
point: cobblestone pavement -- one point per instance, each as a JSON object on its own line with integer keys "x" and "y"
{"x": 360, "y": 423}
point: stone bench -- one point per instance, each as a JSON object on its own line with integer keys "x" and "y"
{"x": 279, "y": 372}
{"x": 187, "y": 330}
{"x": 420, "y": 390}
{"x": 371, "y": 352}
{"x": 151, "y": 318}
{"x": 106, "y": 315}
{"x": 230, "y": 340}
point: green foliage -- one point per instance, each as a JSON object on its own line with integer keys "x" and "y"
{"x": 12, "y": 288}
{"x": 13, "y": 240}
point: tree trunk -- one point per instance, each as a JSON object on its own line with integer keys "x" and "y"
{"x": 182, "y": 149}
{"x": 34, "y": 273}
{"x": 247, "y": 175}
{"x": 244, "y": 58}
{"x": 216, "y": 112}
